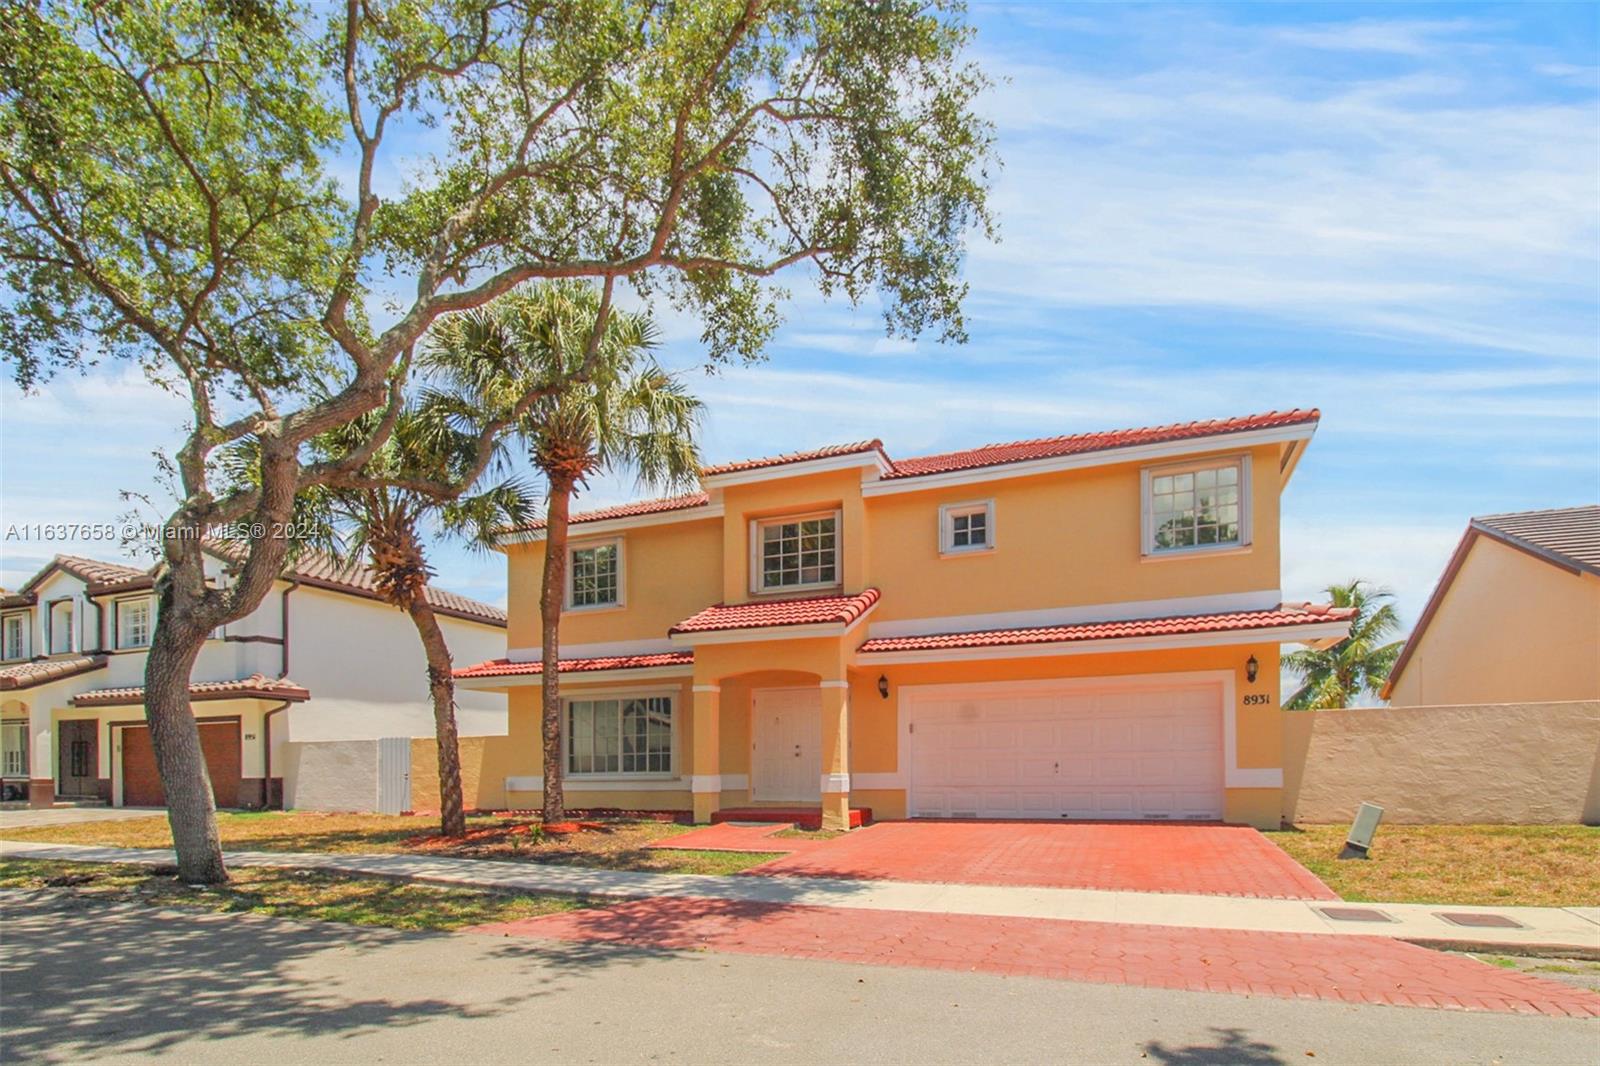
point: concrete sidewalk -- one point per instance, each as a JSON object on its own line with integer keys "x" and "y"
{"x": 1572, "y": 931}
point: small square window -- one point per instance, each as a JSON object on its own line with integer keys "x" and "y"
{"x": 133, "y": 623}
{"x": 797, "y": 553}
{"x": 594, "y": 575}
{"x": 966, "y": 527}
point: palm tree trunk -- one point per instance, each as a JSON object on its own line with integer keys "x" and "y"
{"x": 175, "y": 736}
{"x": 552, "y": 596}
{"x": 442, "y": 690}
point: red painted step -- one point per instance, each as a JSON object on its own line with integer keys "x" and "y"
{"x": 804, "y": 817}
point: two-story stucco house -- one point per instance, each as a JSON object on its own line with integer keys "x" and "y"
{"x": 1077, "y": 627}
{"x": 293, "y": 699}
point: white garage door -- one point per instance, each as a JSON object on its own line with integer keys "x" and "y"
{"x": 1067, "y": 751}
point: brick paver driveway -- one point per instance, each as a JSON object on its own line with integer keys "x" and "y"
{"x": 1212, "y": 860}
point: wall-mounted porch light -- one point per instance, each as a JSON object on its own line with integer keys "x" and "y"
{"x": 1251, "y": 668}
{"x": 883, "y": 686}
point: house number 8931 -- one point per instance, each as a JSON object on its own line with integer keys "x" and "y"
{"x": 1256, "y": 699}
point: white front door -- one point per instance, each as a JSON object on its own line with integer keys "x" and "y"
{"x": 1091, "y": 748}
{"x": 786, "y": 763}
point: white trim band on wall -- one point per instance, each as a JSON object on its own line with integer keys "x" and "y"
{"x": 707, "y": 688}
{"x": 833, "y": 684}
{"x": 835, "y": 783}
{"x": 705, "y": 783}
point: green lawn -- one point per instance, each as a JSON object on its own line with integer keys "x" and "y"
{"x": 299, "y": 894}
{"x": 611, "y": 845}
{"x": 1497, "y": 865}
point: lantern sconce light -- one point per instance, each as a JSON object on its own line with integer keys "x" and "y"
{"x": 883, "y": 686}
{"x": 1251, "y": 668}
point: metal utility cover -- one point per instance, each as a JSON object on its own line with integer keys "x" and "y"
{"x": 1480, "y": 921}
{"x": 1354, "y": 914}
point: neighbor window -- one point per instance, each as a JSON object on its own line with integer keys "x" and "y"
{"x": 16, "y": 636}
{"x": 133, "y": 623}
{"x": 797, "y": 553}
{"x": 632, "y": 735}
{"x": 594, "y": 575}
{"x": 1196, "y": 507}
{"x": 966, "y": 527}
{"x": 60, "y": 627}
{"x": 14, "y": 748}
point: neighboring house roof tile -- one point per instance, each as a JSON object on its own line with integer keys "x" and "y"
{"x": 1052, "y": 447}
{"x": 825, "y": 452}
{"x": 256, "y": 686}
{"x": 1280, "y": 617}
{"x": 1569, "y": 533}
{"x": 1565, "y": 537}
{"x": 18, "y": 599}
{"x": 765, "y": 614}
{"x": 94, "y": 573}
{"x": 626, "y": 510}
{"x": 320, "y": 570}
{"x": 507, "y": 668}
{"x": 40, "y": 671}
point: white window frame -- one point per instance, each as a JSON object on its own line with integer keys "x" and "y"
{"x": 947, "y": 532}
{"x": 756, "y": 569}
{"x": 50, "y": 626}
{"x": 20, "y": 619}
{"x": 675, "y": 698}
{"x": 1148, "y": 549}
{"x": 14, "y": 759}
{"x": 119, "y": 606}
{"x": 622, "y": 574}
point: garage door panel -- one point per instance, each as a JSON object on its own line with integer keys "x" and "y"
{"x": 220, "y": 745}
{"x": 1141, "y": 752}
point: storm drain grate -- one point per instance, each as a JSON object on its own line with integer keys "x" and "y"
{"x": 1354, "y": 914}
{"x": 1480, "y": 921}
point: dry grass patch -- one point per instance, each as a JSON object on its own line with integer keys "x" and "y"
{"x": 300, "y": 894}
{"x": 1486, "y": 865}
{"x": 610, "y": 844}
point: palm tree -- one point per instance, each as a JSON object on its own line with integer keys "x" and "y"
{"x": 1333, "y": 676}
{"x": 613, "y": 410}
{"x": 384, "y": 524}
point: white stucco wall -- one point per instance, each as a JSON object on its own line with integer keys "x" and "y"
{"x": 337, "y": 776}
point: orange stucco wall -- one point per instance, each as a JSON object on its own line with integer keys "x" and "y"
{"x": 1510, "y": 629}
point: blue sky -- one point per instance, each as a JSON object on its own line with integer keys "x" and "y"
{"x": 1389, "y": 212}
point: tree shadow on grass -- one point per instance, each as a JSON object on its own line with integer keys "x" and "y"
{"x": 1232, "y": 1048}
{"x": 83, "y": 976}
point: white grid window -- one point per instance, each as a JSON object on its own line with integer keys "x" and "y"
{"x": 133, "y": 623}
{"x": 620, "y": 736}
{"x": 595, "y": 575}
{"x": 966, "y": 527}
{"x": 797, "y": 553}
{"x": 1197, "y": 507}
{"x": 16, "y": 631}
{"x": 14, "y": 748}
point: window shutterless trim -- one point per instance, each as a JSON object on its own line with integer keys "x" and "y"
{"x": 26, "y": 626}
{"x": 1147, "y": 522}
{"x": 947, "y": 515}
{"x": 573, "y": 547}
{"x": 116, "y": 621}
{"x": 757, "y": 561}
{"x": 620, "y": 696}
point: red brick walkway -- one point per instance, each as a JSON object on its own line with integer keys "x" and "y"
{"x": 1349, "y": 969}
{"x": 1211, "y": 860}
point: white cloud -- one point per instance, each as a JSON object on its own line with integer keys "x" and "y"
{"x": 1398, "y": 36}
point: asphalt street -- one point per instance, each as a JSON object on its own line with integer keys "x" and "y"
{"x": 84, "y": 980}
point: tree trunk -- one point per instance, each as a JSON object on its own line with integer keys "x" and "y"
{"x": 442, "y": 689}
{"x": 175, "y": 736}
{"x": 552, "y": 596}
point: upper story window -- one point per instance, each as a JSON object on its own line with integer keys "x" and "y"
{"x": 1197, "y": 506}
{"x": 59, "y": 628}
{"x": 795, "y": 553}
{"x": 966, "y": 527}
{"x": 620, "y": 736}
{"x": 133, "y": 623}
{"x": 16, "y": 636}
{"x": 594, "y": 574}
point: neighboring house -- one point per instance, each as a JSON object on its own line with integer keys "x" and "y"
{"x": 1514, "y": 619}
{"x": 293, "y": 700}
{"x": 1076, "y": 627}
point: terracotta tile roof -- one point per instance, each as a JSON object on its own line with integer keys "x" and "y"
{"x": 320, "y": 570}
{"x": 765, "y": 614}
{"x": 828, "y": 452}
{"x": 627, "y": 510}
{"x": 256, "y": 686}
{"x": 92, "y": 572}
{"x": 1276, "y": 618}
{"x": 1570, "y": 533}
{"x": 507, "y": 668}
{"x": 18, "y": 599}
{"x": 1051, "y": 447}
{"x": 39, "y": 671}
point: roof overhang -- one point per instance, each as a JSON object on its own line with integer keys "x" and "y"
{"x": 205, "y": 692}
{"x": 1297, "y": 433}
{"x": 872, "y": 461}
{"x": 604, "y": 526}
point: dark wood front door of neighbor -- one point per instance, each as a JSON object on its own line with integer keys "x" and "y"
{"x": 80, "y": 758}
